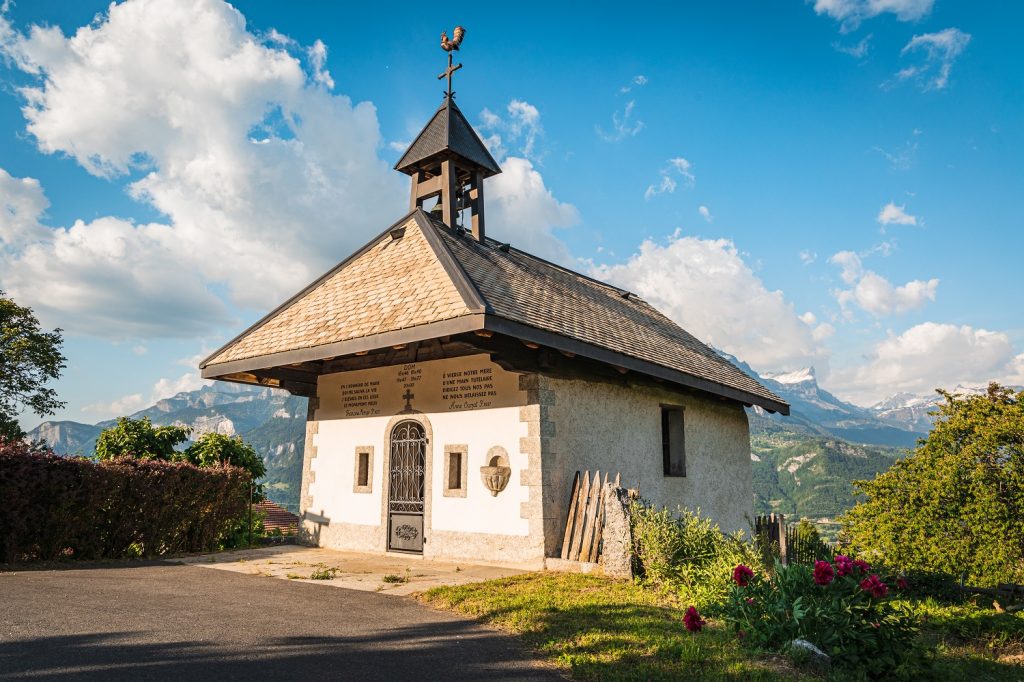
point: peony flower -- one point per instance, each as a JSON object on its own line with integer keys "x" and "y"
{"x": 692, "y": 620}
{"x": 844, "y": 565}
{"x": 902, "y": 584}
{"x": 823, "y": 573}
{"x": 741, "y": 575}
{"x": 861, "y": 565}
{"x": 873, "y": 585}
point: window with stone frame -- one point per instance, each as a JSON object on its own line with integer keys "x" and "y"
{"x": 673, "y": 440}
{"x": 455, "y": 470}
{"x": 362, "y": 480}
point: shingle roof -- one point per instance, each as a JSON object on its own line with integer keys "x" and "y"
{"x": 433, "y": 275}
{"x": 525, "y": 289}
{"x": 448, "y": 132}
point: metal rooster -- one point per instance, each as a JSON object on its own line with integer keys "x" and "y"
{"x": 453, "y": 44}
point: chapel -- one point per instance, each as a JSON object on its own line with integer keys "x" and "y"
{"x": 456, "y": 383}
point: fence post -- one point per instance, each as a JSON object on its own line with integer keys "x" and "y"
{"x": 780, "y": 522}
{"x": 250, "y": 509}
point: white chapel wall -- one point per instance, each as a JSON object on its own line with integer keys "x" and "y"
{"x": 618, "y": 429}
{"x": 463, "y": 402}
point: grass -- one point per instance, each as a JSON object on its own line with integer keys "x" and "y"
{"x": 395, "y": 579}
{"x": 601, "y": 629}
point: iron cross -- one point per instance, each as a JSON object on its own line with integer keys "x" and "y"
{"x": 448, "y": 73}
{"x": 408, "y": 399}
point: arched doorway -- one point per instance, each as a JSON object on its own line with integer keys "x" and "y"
{"x": 406, "y": 488}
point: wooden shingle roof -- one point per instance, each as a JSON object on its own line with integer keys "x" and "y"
{"x": 448, "y": 132}
{"x": 435, "y": 281}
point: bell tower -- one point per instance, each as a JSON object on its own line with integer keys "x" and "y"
{"x": 448, "y": 160}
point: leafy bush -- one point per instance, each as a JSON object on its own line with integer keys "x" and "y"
{"x": 686, "y": 552}
{"x": 954, "y": 506}
{"x": 841, "y": 608}
{"x": 56, "y": 507}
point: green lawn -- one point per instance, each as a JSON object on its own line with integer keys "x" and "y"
{"x": 608, "y": 630}
{"x": 600, "y": 629}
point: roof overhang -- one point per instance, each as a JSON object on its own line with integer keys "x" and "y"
{"x": 498, "y": 325}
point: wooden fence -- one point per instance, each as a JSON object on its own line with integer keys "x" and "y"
{"x": 787, "y": 543}
{"x": 585, "y": 522}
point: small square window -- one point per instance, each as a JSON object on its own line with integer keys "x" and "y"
{"x": 363, "y": 475}
{"x": 673, "y": 441}
{"x": 455, "y": 469}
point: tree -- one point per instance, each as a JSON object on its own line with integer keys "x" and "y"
{"x": 29, "y": 357}
{"x": 138, "y": 438}
{"x": 956, "y": 504}
{"x": 216, "y": 449}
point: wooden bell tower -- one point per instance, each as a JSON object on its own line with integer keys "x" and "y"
{"x": 448, "y": 160}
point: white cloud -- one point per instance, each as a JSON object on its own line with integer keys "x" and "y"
{"x": 637, "y": 82}
{"x": 666, "y": 183}
{"x": 523, "y": 211}
{"x": 929, "y": 356}
{"x": 129, "y": 404}
{"x": 22, "y": 203}
{"x": 850, "y": 13}
{"x": 938, "y": 52}
{"x": 875, "y": 294}
{"x": 705, "y": 213}
{"x": 245, "y": 151}
{"x": 705, "y": 286}
{"x": 623, "y": 125}
{"x": 807, "y": 256}
{"x": 521, "y": 126}
{"x": 317, "y": 59}
{"x": 857, "y": 50}
{"x": 891, "y": 214}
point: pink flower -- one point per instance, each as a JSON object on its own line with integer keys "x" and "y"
{"x": 844, "y": 565}
{"x": 873, "y": 585}
{"x": 692, "y": 620}
{"x": 741, "y": 575}
{"x": 902, "y": 584}
{"x": 823, "y": 573}
{"x": 750, "y": 601}
{"x": 861, "y": 565}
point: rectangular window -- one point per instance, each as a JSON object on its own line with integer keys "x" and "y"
{"x": 673, "y": 443}
{"x": 362, "y": 476}
{"x": 455, "y": 470}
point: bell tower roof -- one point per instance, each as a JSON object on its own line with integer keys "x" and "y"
{"x": 448, "y": 135}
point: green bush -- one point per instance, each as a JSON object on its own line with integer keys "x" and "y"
{"x": 686, "y": 553}
{"x": 70, "y": 507}
{"x": 841, "y": 608}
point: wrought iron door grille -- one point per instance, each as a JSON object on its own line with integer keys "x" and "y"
{"x": 408, "y": 461}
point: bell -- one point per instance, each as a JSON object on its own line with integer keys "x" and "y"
{"x": 437, "y": 213}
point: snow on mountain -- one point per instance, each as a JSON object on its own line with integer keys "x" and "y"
{"x": 800, "y": 376}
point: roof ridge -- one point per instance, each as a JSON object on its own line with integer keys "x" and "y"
{"x": 471, "y": 295}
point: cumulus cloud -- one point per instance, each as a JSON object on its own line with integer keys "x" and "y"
{"x": 705, "y": 213}
{"x": 623, "y": 125}
{"x": 925, "y": 357}
{"x": 240, "y": 145}
{"x": 891, "y": 214}
{"x": 705, "y": 286}
{"x": 265, "y": 176}
{"x": 523, "y": 211}
{"x": 875, "y": 294}
{"x": 667, "y": 183}
{"x": 935, "y": 53}
{"x": 850, "y": 13}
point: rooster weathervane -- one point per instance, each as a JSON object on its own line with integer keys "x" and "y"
{"x": 450, "y": 46}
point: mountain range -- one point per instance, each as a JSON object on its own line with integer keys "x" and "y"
{"x": 803, "y": 464}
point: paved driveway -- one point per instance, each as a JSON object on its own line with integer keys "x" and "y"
{"x": 180, "y": 622}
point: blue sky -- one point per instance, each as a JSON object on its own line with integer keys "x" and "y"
{"x": 799, "y": 183}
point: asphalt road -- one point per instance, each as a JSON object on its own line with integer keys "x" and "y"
{"x": 175, "y": 622}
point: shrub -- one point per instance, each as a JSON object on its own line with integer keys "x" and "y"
{"x": 56, "y": 507}
{"x": 841, "y": 608}
{"x": 686, "y": 552}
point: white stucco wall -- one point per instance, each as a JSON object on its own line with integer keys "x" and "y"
{"x": 617, "y": 429}
{"x": 461, "y": 401}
